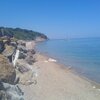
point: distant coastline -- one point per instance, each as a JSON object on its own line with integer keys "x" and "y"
{"x": 22, "y": 34}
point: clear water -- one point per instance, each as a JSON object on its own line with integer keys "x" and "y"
{"x": 83, "y": 55}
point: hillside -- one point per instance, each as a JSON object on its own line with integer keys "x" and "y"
{"x": 19, "y": 33}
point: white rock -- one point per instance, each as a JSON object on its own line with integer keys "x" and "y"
{"x": 52, "y": 60}
{"x": 14, "y": 59}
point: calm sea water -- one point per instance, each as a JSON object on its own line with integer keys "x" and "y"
{"x": 83, "y": 55}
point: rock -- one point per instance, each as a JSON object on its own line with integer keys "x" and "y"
{"x": 22, "y": 66}
{"x": 21, "y": 42}
{"x": 6, "y": 40}
{"x": 9, "y": 50}
{"x": 32, "y": 51}
{"x": 22, "y": 48}
{"x": 15, "y": 57}
{"x": 22, "y": 55}
{"x": 14, "y": 44}
{"x": 22, "y": 69}
{"x": 27, "y": 78}
{"x": 52, "y": 60}
{"x": 10, "y": 92}
{"x": 30, "y": 60}
{"x": 7, "y": 71}
{"x": 25, "y": 73}
{"x": 30, "y": 45}
{"x": 1, "y": 46}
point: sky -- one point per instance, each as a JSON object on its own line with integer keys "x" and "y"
{"x": 55, "y": 18}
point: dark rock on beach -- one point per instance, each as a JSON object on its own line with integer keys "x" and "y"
{"x": 22, "y": 55}
{"x": 10, "y": 92}
{"x": 22, "y": 66}
{"x": 14, "y": 44}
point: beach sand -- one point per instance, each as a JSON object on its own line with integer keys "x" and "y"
{"x": 54, "y": 82}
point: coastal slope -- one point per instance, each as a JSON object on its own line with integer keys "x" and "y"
{"x": 22, "y": 34}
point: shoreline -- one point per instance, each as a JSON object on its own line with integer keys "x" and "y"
{"x": 73, "y": 71}
{"x": 57, "y": 82}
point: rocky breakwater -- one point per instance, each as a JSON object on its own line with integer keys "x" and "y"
{"x": 23, "y": 62}
{"x": 16, "y": 60}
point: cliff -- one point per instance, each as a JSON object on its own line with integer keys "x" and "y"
{"x": 22, "y": 34}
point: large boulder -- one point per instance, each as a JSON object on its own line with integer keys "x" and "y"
{"x": 7, "y": 71}
{"x": 9, "y": 50}
{"x": 10, "y": 92}
{"x": 32, "y": 51}
{"x": 22, "y": 66}
{"x": 21, "y": 42}
{"x": 30, "y": 59}
{"x": 25, "y": 73}
{"x": 6, "y": 40}
{"x": 14, "y": 44}
{"x": 22, "y": 55}
{"x": 22, "y": 48}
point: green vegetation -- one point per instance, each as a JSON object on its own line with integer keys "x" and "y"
{"x": 19, "y": 33}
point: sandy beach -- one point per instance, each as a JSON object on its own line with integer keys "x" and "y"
{"x": 54, "y": 82}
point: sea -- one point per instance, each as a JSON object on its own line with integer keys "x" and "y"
{"x": 81, "y": 54}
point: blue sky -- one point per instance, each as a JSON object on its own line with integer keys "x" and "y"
{"x": 55, "y": 18}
